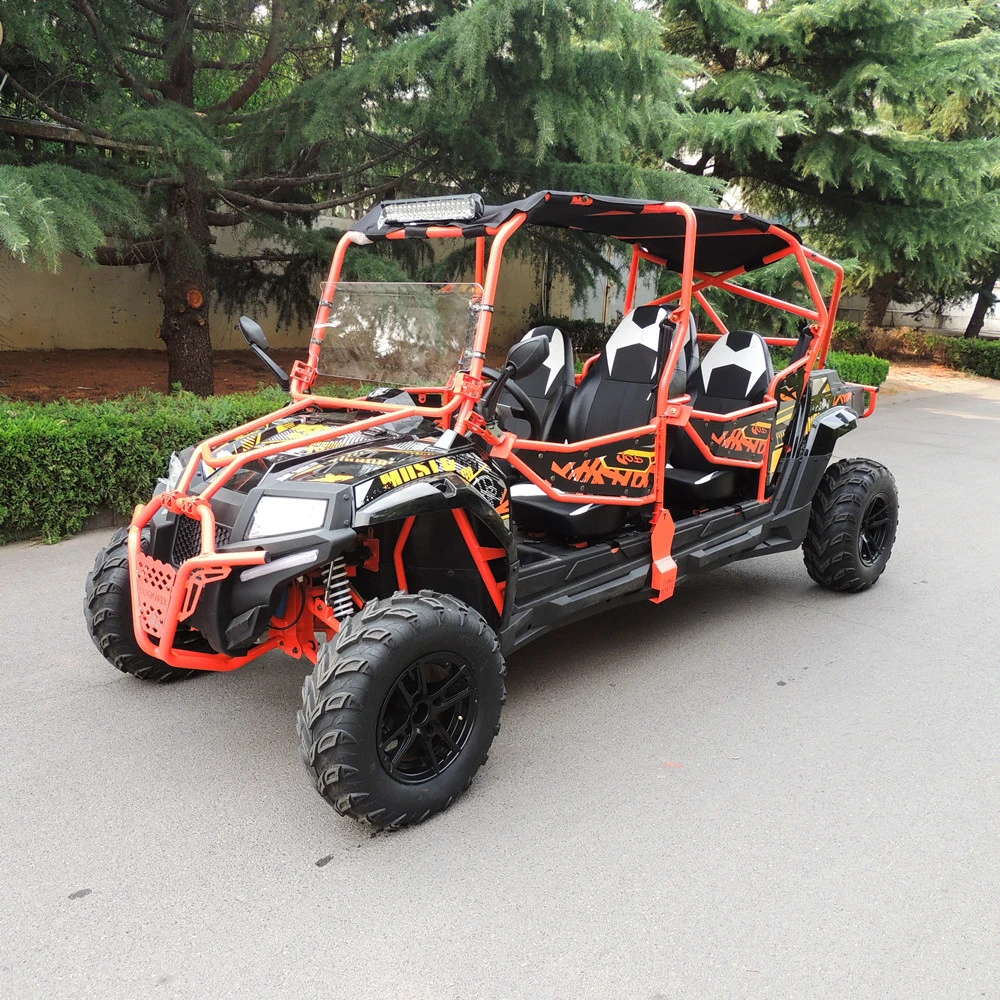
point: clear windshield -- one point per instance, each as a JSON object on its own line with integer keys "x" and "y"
{"x": 404, "y": 333}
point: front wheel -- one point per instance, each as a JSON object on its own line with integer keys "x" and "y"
{"x": 852, "y": 525}
{"x": 400, "y": 711}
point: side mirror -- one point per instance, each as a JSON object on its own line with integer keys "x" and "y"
{"x": 527, "y": 356}
{"x": 254, "y": 335}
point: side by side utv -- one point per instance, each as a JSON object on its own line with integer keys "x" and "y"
{"x": 408, "y": 541}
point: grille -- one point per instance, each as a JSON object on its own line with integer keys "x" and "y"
{"x": 187, "y": 541}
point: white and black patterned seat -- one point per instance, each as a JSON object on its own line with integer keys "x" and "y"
{"x": 618, "y": 392}
{"x": 549, "y": 387}
{"x": 620, "y": 388}
{"x": 734, "y": 374}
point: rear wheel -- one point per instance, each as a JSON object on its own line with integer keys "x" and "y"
{"x": 852, "y": 525}
{"x": 400, "y": 711}
{"x": 108, "y": 611}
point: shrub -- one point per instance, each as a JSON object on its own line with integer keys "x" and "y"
{"x": 980, "y": 357}
{"x": 977, "y": 356}
{"x": 64, "y": 462}
{"x": 848, "y": 337}
{"x": 864, "y": 369}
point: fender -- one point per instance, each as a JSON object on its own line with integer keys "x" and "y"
{"x": 447, "y": 491}
{"x": 828, "y": 427}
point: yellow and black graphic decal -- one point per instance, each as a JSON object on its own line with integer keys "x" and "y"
{"x": 743, "y": 439}
{"x": 828, "y": 390}
{"x": 467, "y": 464}
{"x": 345, "y": 467}
{"x": 623, "y": 468}
{"x": 417, "y": 470}
{"x": 788, "y": 393}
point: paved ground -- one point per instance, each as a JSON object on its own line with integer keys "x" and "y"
{"x": 758, "y": 790}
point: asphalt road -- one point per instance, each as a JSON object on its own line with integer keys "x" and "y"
{"x": 757, "y": 790}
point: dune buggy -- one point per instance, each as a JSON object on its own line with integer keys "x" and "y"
{"x": 408, "y": 541}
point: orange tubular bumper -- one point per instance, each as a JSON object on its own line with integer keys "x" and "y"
{"x": 163, "y": 597}
{"x": 872, "y": 391}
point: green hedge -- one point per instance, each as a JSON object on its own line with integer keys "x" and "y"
{"x": 63, "y": 462}
{"x": 905, "y": 344}
{"x": 864, "y": 369}
{"x": 980, "y": 357}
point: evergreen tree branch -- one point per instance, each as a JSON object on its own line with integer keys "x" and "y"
{"x": 143, "y": 53}
{"x": 272, "y": 52}
{"x": 144, "y": 252}
{"x": 306, "y": 208}
{"x": 124, "y": 73}
{"x": 142, "y": 36}
{"x": 698, "y": 169}
{"x": 199, "y": 25}
{"x": 47, "y": 109}
{"x": 221, "y": 64}
{"x": 156, "y": 8}
{"x": 66, "y": 134}
{"x": 224, "y": 220}
{"x": 266, "y": 183}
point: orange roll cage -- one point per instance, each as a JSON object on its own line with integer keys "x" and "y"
{"x": 162, "y": 598}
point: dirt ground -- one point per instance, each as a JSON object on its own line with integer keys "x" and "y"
{"x": 43, "y": 376}
{"x": 48, "y": 375}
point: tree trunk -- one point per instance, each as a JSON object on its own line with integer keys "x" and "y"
{"x": 186, "y": 282}
{"x": 985, "y": 299}
{"x": 879, "y": 297}
{"x": 186, "y": 290}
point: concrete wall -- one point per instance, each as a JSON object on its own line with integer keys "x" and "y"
{"x": 956, "y": 320}
{"x": 87, "y": 306}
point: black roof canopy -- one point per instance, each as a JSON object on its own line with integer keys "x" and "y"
{"x": 726, "y": 239}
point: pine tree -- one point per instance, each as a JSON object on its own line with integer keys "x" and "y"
{"x": 139, "y": 126}
{"x": 867, "y": 170}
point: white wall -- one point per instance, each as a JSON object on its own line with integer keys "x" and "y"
{"x": 955, "y": 321}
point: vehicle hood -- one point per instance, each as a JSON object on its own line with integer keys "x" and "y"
{"x": 384, "y": 454}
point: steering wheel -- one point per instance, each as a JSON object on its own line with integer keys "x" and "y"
{"x": 527, "y": 407}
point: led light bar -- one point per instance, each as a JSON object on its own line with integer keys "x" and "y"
{"x": 453, "y": 208}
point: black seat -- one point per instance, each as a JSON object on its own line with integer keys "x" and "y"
{"x": 618, "y": 392}
{"x": 549, "y": 388}
{"x": 734, "y": 374}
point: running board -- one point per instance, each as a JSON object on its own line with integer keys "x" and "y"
{"x": 621, "y": 583}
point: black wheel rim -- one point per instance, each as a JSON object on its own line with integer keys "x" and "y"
{"x": 874, "y": 530}
{"x": 426, "y": 718}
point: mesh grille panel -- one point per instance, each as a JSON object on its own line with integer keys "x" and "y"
{"x": 187, "y": 541}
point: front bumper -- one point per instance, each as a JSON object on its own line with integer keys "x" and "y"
{"x": 206, "y": 592}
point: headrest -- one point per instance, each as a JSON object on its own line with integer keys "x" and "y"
{"x": 738, "y": 366}
{"x": 633, "y": 350}
{"x": 558, "y": 366}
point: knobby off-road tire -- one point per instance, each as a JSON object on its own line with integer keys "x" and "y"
{"x": 400, "y": 711}
{"x": 852, "y": 525}
{"x": 108, "y": 611}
